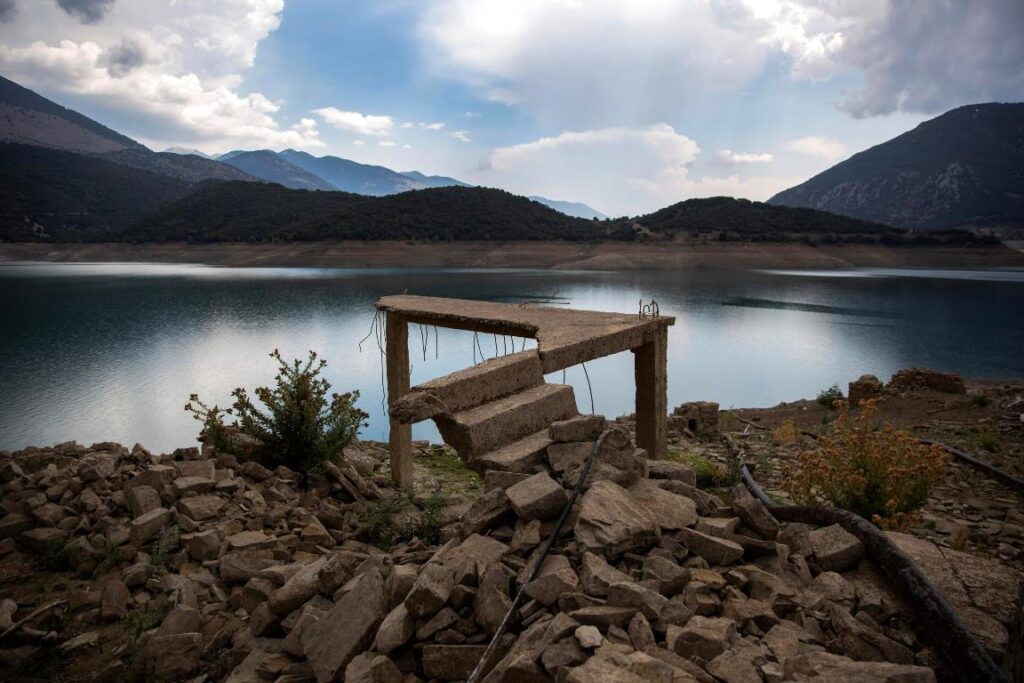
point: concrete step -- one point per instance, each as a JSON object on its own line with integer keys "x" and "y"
{"x": 524, "y": 456}
{"x": 505, "y": 420}
{"x": 471, "y": 387}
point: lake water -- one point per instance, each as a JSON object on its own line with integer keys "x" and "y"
{"x": 111, "y": 351}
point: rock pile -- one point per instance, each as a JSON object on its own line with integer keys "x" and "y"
{"x": 651, "y": 578}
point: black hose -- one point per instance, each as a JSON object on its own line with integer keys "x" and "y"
{"x": 548, "y": 545}
{"x": 1005, "y": 478}
{"x": 940, "y": 622}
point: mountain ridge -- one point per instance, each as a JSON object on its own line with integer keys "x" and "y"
{"x": 962, "y": 168}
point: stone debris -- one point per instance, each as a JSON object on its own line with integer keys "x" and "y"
{"x": 650, "y": 579}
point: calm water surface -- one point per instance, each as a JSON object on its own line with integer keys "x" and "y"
{"x": 111, "y": 351}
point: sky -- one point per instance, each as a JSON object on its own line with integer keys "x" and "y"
{"x": 626, "y": 105}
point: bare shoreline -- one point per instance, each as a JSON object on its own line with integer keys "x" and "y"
{"x": 560, "y": 255}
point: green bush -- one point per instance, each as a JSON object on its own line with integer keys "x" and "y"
{"x": 303, "y": 424}
{"x": 828, "y": 397}
{"x": 980, "y": 400}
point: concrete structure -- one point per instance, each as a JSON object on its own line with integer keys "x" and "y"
{"x": 697, "y": 417}
{"x": 502, "y": 406}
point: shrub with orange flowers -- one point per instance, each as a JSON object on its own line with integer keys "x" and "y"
{"x": 878, "y": 472}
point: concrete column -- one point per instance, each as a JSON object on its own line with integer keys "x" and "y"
{"x": 400, "y": 440}
{"x": 651, "y": 372}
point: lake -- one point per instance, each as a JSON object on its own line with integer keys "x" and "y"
{"x": 98, "y": 352}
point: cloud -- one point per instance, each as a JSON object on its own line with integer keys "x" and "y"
{"x": 386, "y": 143}
{"x": 122, "y": 58}
{"x": 930, "y": 59}
{"x": 172, "y": 71}
{"x": 359, "y": 143}
{"x": 460, "y": 135}
{"x": 818, "y": 146}
{"x": 86, "y": 11}
{"x": 7, "y": 10}
{"x": 431, "y": 126}
{"x": 353, "y": 121}
{"x": 600, "y": 62}
{"x": 731, "y": 158}
{"x": 618, "y": 170}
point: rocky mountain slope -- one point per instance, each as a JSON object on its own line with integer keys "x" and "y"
{"x": 269, "y": 166}
{"x": 964, "y": 168}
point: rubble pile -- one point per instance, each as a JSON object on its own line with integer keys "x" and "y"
{"x": 253, "y": 578}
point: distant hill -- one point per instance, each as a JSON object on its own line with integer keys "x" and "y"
{"x": 62, "y": 196}
{"x": 186, "y": 151}
{"x": 577, "y": 209}
{"x": 434, "y": 180}
{"x": 351, "y": 176}
{"x": 270, "y": 166}
{"x": 246, "y": 212}
{"x": 29, "y": 118}
{"x": 963, "y": 168}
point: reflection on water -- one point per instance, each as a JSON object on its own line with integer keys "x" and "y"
{"x": 112, "y": 351}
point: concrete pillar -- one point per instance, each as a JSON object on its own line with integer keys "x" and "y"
{"x": 651, "y": 372}
{"x": 400, "y": 440}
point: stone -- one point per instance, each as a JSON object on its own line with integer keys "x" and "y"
{"x": 704, "y": 637}
{"x": 864, "y": 388}
{"x": 835, "y": 549}
{"x": 339, "y": 568}
{"x": 499, "y": 479}
{"x": 700, "y": 418}
{"x": 667, "y": 469}
{"x": 347, "y": 629}
{"x": 611, "y": 522}
{"x": 446, "y": 618}
{"x": 370, "y": 667}
{"x": 43, "y": 539}
{"x": 566, "y": 456}
{"x": 603, "y": 616}
{"x": 832, "y": 668}
{"x": 262, "y": 621}
{"x": 400, "y": 582}
{"x": 302, "y": 586}
{"x": 717, "y": 551}
{"x": 753, "y": 513}
{"x": 489, "y": 510}
{"x": 598, "y": 576}
{"x": 179, "y": 620}
{"x": 537, "y": 497}
{"x": 199, "y": 508}
{"x": 580, "y": 428}
{"x": 640, "y": 633}
{"x": 430, "y": 592}
{"x": 174, "y": 657}
{"x": 203, "y": 545}
{"x": 866, "y": 644}
{"x": 746, "y": 612}
{"x": 565, "y": 653}
{"x": 589, "y": 637}
{"x": 239, "y": 567}
{"x": 142, "y": 499}
{"x": 15, "y": 523}
{"x": 555, "y": 578}
{"x": 114, "y": 601}
{"x": 671, "y": 511}
{"x": 451, "y": 662}
{"x": 920, "y": 378}
{"x": 492, "y": 600}
{"x": 396, "y": 630}
{"x": 316, "y": 533}
{"x": 192, "y": 485}
{"x": 146, "y": 525}
{"x": 249, "y": 540}
{"x": 629, "y": 594}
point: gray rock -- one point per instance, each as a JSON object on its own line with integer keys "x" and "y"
{"x": 172, "y": 658}
{"x": 146, "y": 525}
{"x": 666, "y": 469}
{"x": 555, "y": 578}
{"x": 370, "y": 667}
{"x": 451, "y": 662}
{"x": 704, "y": 637}
{"x": 835, "y": 549}
{"x": 580, "y": 428}
{"x": 395, "y": 631}
{"x": 298, "y": 589}
{"x": 347, "y": 629}
{"x": 611, "y": 522}
{"x": 589, "y": 637}
{"x": 825, "y": 666}
{"x": 430, "y": 592}
{"x": 717, "y": 551}
{"x": 114, "y": 601}
{"x": 753, "y": 513}
{"x": 537, "y": 497}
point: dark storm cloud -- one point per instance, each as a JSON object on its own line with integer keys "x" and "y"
{"x": 928, "y": 56}
{"x": 7, "y": 10}
{"x": 122, "y": 58}
{"x": 86, "y": 11}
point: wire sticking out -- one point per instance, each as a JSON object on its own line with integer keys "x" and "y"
{"x": 589, "y": 388}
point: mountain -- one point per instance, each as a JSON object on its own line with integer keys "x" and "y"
{"x": 30, "y": 119}
{"x": 187, "y": 151}
{"x": 247, "y": 212}
{"x": 351, "y": 176}
{"x": 272, "y": 167}
{"x": 434, "y": 180}
{"x": 577, "y": 209}
{"x": 963, "y": 168}
{"x": 53, "y": 194}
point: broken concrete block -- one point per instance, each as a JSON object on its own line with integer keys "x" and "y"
{"x": 538, "y": 497}
{"x": 835, "y": 549}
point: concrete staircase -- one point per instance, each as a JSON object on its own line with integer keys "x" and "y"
{"x": 496, "y": 414}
